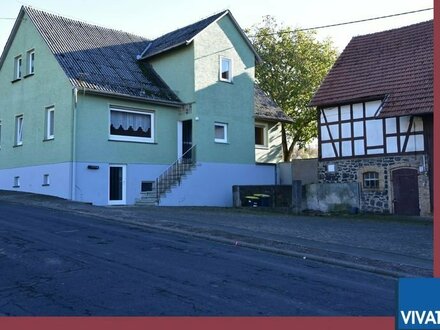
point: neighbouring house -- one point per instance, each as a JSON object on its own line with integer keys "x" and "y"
{"x": 97, "y": 115}
{"x": 268, "y": 119}
{"x": 375, "y": 110}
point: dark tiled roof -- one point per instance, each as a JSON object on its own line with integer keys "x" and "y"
{"x": 266, "y": 109}
{"x": 396, "y": 65}
{"x": 100, "y": 59}
{"x": 178, "y": 37}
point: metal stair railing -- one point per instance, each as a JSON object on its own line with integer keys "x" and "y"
{"x": 173, "y": 174}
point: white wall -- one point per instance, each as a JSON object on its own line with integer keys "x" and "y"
{"x": 93, "y": 185}
{"x": 31, "y": 179}
{"x": 210, "y": 184}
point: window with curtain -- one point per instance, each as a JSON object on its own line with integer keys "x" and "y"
{"x": 131, "y": 125}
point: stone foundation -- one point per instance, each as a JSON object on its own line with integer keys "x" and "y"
{"x": 377, "y": 200}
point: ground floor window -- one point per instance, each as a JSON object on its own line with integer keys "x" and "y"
{"x": 261, "y": 136}
{"x": 371, "y": 180}
{"x": 129, "y": 125}
{"x": 221, "y": 133}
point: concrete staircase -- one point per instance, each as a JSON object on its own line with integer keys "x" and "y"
{"x": 169, "y": 179}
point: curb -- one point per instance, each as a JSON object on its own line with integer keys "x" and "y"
{"x": 290, "y": 253}
{"x": 261, "y": 247}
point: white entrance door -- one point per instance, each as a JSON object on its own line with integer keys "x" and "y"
{"x": 117, "y": 183}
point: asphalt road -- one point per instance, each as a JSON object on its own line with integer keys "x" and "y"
{"x": 60, "y": 264}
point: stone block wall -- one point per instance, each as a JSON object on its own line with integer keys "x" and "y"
{"x": 377, "y": 200}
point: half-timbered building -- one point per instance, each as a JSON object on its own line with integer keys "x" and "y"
{"x": 375, "y": 111}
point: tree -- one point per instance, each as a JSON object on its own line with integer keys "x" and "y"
{"x": 294, "y": 65}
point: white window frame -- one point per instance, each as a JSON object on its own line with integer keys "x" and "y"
{"x": 0, "y": 134}
{"x": 124, "y": 185}
{"x": 265, "y": 136}
{"x": 225, "y": 131}
{"x": 123, "y": 138}
{"x": 230, "y": 72}
{"x": 50, "y": 125}
{"x": 30, "y": 62}
{"x": 18, "y": 62}
{"x": 19, "y": 119}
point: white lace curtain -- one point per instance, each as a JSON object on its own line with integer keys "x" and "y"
{"x": 127, "y": 119}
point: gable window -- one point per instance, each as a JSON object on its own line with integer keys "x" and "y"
{"x": 19, "y": 130}
{"x": 17, "y": 67}
{"x": 371, "y": 180}
{"x": 30, "y": 58}
{"x": 221, "y": 133}
{"x": 129, "y": 125}
{"x": 261, "y": 136}
{"x": 225, "y": 69}
{"x": 50, "y": 123}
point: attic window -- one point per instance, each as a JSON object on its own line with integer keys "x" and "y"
{"x": 17, "y": 67}
{"x": 30, "y": 59}
{"x": 225, "y": 69}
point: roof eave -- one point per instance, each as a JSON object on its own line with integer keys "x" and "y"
{"x": 12, "y": 36}
{"x": 187, "y": 42}
{"x": 274, "y": 120}
{"x": 162, "y": 50}
{"x": 90, "y": 91}
{"x": 333, "y": 103}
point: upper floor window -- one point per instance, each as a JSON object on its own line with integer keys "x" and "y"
{"x": 371, "y": 180}
{"x": 50, "y": 123}
{"x": 261, "y": 136}
{"x": 19, "y": 130}
{"x": 225, "y": 69}
{"x": 17, "y": 67}
{"x": 129, "y": 125}
{"x": 30, "y": 58}
{"x": 221, "y": 133}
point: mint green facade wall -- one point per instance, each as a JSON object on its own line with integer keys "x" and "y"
{"x": 93, "y": 144}
{"x": 218, "y": 101}
{"x": 193, "y": 72}
{"x": 30, "y": 96}
{"x": 176, "y": 68}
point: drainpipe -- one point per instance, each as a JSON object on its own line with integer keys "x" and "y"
{"x": 73, "y": 169}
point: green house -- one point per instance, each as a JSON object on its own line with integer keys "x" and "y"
{"x": 97, "y": 115}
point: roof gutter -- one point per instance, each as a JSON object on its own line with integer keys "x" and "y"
{"x": 274, "y": 120}
{"x": 173, "y": 104}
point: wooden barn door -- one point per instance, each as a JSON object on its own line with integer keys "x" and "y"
{"x": 406, "y": 192}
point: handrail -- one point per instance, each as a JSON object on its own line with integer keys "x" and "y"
{"x": 173, "y": 169}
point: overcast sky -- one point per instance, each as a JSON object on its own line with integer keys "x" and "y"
{"x": 154, "y": 18}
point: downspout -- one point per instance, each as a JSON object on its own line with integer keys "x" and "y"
{"x": 73, "y": 170}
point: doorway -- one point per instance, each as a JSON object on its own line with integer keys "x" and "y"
{"x": 406, "y": 192}
{"x": 117, "y": 184}
{"x": 186, "y": 138}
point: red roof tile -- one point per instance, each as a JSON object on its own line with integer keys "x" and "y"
{"x": 396, "y": 65}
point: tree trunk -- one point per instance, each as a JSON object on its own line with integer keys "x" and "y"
{"x": 287, "y": 150}
{"x": 286, "y": 156}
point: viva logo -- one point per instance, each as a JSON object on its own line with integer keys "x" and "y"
{"x": 418, "y": 304}
{"x": 420, "y": 317}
